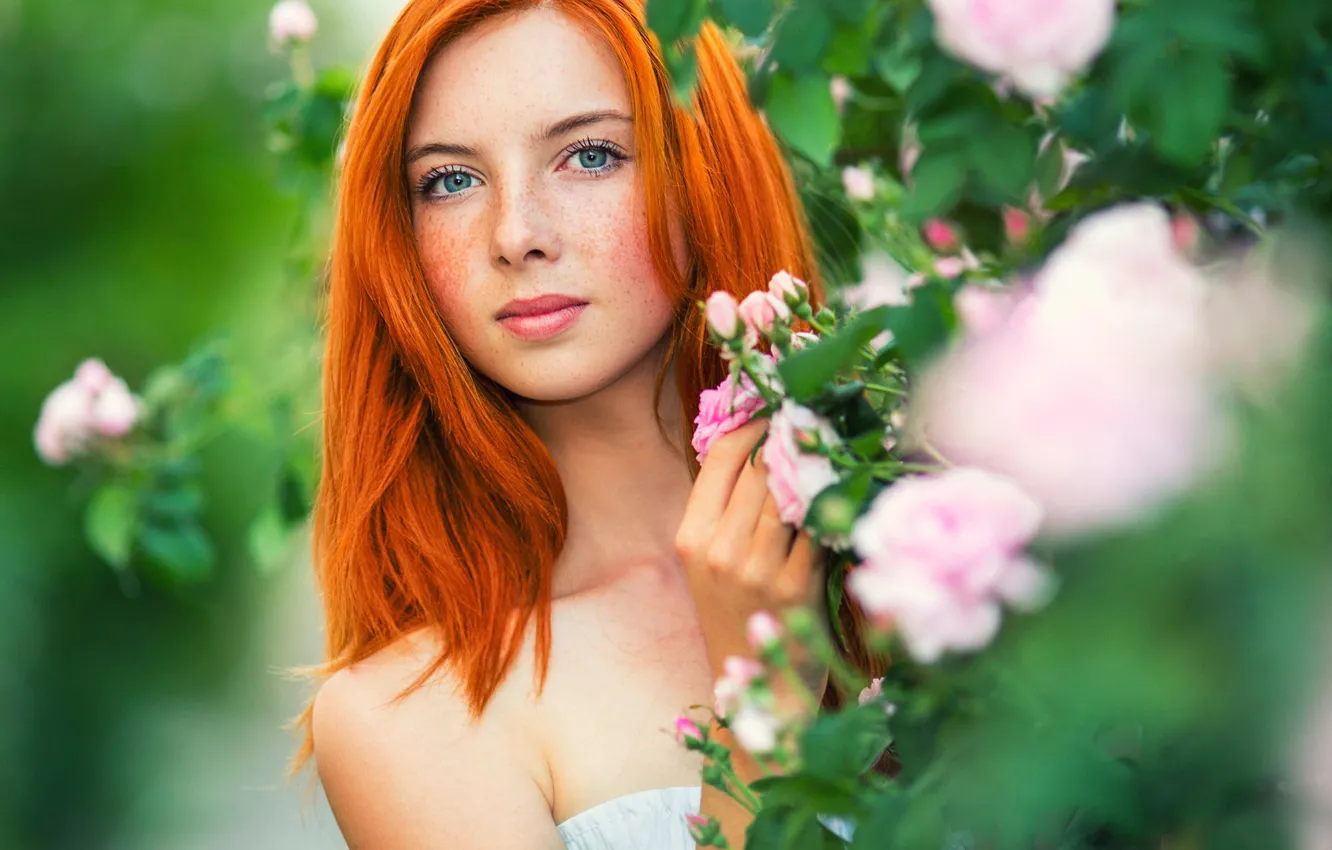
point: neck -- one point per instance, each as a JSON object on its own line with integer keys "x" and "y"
{"x": 624, "y": 475}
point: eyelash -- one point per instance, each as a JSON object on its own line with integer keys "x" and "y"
{"x": 616, "y": 158}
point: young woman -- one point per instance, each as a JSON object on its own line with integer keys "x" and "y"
{"x": 526, "y": 577}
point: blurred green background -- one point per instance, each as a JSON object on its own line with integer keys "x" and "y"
{"x": 139, "y": 215}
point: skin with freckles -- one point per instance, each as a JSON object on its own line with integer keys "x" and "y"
{"x": 505, "y": 209}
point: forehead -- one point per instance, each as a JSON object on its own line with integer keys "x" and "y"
{"x": 514, "y": 73}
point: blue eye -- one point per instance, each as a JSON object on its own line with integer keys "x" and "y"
{"x": 456, "y": 181}
{"x": 592, "y": 158}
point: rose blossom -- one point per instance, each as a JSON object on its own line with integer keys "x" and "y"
{"x": 292, "y": 20}
{"x": 795, "y": 477}
{"x": 723, "y": 315}
{"x": 760, "y": 312}
{"x": 738, "y": 673}
{"x": 1037, "y": 44}
{"x": 940, "y": 235}
{"x": 1092, "y": 394}
{"x": 872, "y": 692}
{"x": 755, "y": 729}
{"x": 723, "y": 410}
{"x": 787, "y": 288}
{"x": 686, "y": 731}
{"x": 93, "y": 403}
{"x": 858, "y": 183}
{"x": 940, "y": 553}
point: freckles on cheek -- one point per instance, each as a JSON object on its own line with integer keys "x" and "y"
{"x": 446, "y": 264}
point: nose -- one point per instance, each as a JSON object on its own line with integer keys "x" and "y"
{"x": 523, "y": 231}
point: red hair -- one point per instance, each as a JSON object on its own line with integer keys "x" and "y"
{"x": 437, "y": 505}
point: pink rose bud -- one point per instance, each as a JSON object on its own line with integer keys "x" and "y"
{"x": 787, "y": 288}
{"x": 858, "y": 183}
{"x": 759, "y": 313}
{"x": 941, "y": 236}
{"x": 1017, "y": 225}
{"x": 742, "y": 670}
{"x": 949, "y": 267}
{"x": 292, "y": 21}
{"x": 115, "y": 410}
{"x": 687, "y": 732}
{"x": 63, "y": 428}
{"x": 702, "y": 829}
{"x": 764, "y": 631}
{"x": 723, "y": 315}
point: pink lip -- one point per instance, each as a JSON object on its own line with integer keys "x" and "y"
{"x": 540, "y": 318}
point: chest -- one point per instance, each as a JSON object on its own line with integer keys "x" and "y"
{"x": 624, "y": 664}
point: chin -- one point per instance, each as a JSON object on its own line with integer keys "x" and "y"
{"x": 577, "y": 371}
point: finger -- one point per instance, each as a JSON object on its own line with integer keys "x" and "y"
{"x": 770, "y": 546}
{"x": 736, "y": 529}
{"x": 717, "y": 479}
{"x": 798, "y": 581}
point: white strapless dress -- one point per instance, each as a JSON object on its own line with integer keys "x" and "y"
{"x": 648, "y": 820}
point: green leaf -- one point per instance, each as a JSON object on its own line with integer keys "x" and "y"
{"x": 682, "y": 64}
{"x": 923, "y": 326}
{"x": 804, "y": 115}
{"x": 1050, "y": 169}
{"x": 110, "y": 521}
{"x": 1190, "y": 107}
{"x": 751, "y": 17}
{"x": 1005, "y": 160}
{"x": 898, "y": 64}
{"x": 182, "y": 549}
{"x": 939, "y": 177}
{"x": 672, "y": 20}
{"x": 843, "y": 746}
{"x": 802, "y": 37}
{"x": 807, "y": 372}
{"x": 850, "y": 11}
{"x": 849, "y": 53}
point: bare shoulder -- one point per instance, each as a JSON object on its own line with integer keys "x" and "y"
{"x": 421, "y": 773}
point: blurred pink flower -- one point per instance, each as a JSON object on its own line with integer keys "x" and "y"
{"x": 858, "y": 183}
{"x": 871, "y": 693}
{"x": 909, "y": 152}
{"x": 91, "y": 404}
{"x": 1036, "y": 44}
{"x": 1092, "y": 392}
{"x": 1017, "y": 225}
{"x": 795, "y": 477}
{"x": 723, "y": 410}
{"x": 884, "y": 283}
{"x": 723, "y": 315}
{"x": 941, "y": 236}
{"x": 763, "y": 630}
{"x": 949, "y": 267}
{"x": 738, "y": 673}
{"x": 755, "y": 729}
{"x": 292, "y": 21}
{"x": 941, "y": 553}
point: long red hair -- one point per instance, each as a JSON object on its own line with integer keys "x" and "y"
{"x": 437, "y": 505}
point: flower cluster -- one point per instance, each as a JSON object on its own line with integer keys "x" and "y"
{"x": 93, "y": 404}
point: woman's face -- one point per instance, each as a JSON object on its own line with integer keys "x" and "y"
{"x": 528, "y": 209}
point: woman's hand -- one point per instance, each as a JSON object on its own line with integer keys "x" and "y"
{"x": 741, "y": 558}
{"x": 738, "y": 555}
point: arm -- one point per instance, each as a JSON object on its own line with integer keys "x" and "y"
{"x": 401, "y": 778}
{"x": 741, "y": 558}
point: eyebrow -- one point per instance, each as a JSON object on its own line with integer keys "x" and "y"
{"x": 559, "y": 128}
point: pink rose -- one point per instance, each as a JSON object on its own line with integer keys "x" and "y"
{"x": 1092, "y": 393}
{"x": 949, "y": 267}
{"x": 1017, "y": 225}
{"x": 871, "y": 693}
{"x": 729, "y": 691}
{"x": 858, "y": 183}
{"x": 292, "y": 21}
{"x": 788, "y": 289}
{"x": 941, "y": 236}
{"x": 795, "y": 477}
{"x": 687, "y": 731}
{"x": 760, "y": 312}
{"x": 755, "y": 729}
{"x": 940, "y": 553}
{"x": 702, "y": 828}
{"x": 93, "y": 403}
{"x": 723, "y": 410}
{"x": 723, "y": 315}
{"x": 1037, "y": 44}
